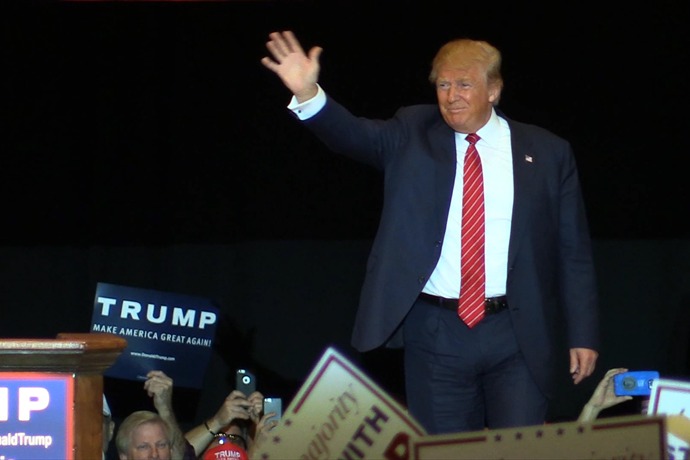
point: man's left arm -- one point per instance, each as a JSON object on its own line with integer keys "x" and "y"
{"x": 578, "y": 277}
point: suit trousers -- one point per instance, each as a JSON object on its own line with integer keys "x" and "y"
{"x": 459, "y": 379}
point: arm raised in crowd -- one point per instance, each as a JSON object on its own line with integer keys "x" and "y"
{"x": 236, "y": 406}
{"x": 603, "y": 397}
{"x": 160, "y": 387}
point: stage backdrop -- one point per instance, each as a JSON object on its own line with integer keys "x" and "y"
{"x": 283, "y": 302}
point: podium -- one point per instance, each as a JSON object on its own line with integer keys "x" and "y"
{"x": 51, "y": 395}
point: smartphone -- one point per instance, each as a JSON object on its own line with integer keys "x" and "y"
{"x": 273, "y": 405}
{"x": 634, "y": 383}
{"x": 245, "y": 382}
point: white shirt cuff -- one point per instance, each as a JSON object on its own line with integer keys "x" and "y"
{"x": 308, "y": 109}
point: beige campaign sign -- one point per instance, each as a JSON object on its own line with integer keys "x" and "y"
{"x": 340, "y": 413}
{"x": 672, "y": 398}
{"x": 628, "y": 437}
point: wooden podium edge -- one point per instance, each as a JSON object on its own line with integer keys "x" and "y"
{"x": 69, "y": 352}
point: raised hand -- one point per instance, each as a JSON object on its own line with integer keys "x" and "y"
{"x": 262, "y": 433}
{"x": 235, "y": 406}
{"x": 160, "y": 387}
{"x": 604, "y": 396}
{"x": 256, "y": 401}
{"x": 298, "y": 71}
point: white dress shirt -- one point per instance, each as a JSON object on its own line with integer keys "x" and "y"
{"x": 497, "y": 169}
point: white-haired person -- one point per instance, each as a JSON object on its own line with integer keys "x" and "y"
{"x": 154, "y": 435}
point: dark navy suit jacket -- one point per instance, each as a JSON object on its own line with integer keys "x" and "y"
{"x": 551, "y": 284}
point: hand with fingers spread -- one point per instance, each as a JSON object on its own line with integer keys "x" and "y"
{"x": 298, "y": 71}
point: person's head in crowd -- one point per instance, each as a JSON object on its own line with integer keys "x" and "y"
{"x": 233, "y": 436}
{"x": 144, "y": 435}
{"x": 108, "y": 426}
{"x": 227, "y": 445}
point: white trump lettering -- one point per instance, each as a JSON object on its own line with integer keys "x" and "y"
{"x": 157, "y": 315}
{"x": 32, "y": 399}
{"x": 29, "y": 399}
{"x": 206, "y": 318}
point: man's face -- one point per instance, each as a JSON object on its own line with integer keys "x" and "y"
{"x": 464, "y": 97}
{"x": 149, "y": 442}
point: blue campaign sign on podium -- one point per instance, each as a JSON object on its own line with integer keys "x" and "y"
{"x": 36, "y": 416}
{"x": 166, "y": 331}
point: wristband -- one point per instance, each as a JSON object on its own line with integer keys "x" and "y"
{"x": 213, "y": 433}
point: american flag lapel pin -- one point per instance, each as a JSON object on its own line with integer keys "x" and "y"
{"x": 528, "y": 158}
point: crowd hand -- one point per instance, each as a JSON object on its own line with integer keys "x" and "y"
{"x": 256, "y": 406}
{"x": 604, "y": 395}
{"x": 262, "y": 432}
{"x": 235, "y": 406}
{"x": 582, "y": 363}
{"x": 160, "y": 387}
{"x": 298, "y": 71}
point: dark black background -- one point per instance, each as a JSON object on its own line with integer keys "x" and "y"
{"x": 143, "y": 141}
{"x": 155, "y": 123}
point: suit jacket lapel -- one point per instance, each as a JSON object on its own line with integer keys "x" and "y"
{"x": 442, "y": 140}
{"x": 524, "y": 158}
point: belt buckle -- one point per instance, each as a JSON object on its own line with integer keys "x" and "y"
{"x": 492, "y": 306}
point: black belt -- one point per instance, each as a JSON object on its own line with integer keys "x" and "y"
{"x": 492, "y": 305}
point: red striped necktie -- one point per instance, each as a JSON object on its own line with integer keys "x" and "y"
{"x": 472, "y": 291}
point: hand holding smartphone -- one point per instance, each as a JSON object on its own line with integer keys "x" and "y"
{"x": 634, "y": 383}
{"x": 273, "y": 405}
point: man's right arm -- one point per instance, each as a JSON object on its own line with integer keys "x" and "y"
{"x": 298, "y": 70}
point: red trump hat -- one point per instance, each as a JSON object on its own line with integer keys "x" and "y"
{"x": 226, "y": 451}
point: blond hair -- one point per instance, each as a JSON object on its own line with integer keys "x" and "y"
{"x": 133, "y": 421}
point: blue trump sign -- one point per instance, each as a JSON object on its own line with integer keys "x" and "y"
{"x": 164, "y": 331}
{"x": 36, "y": 420}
